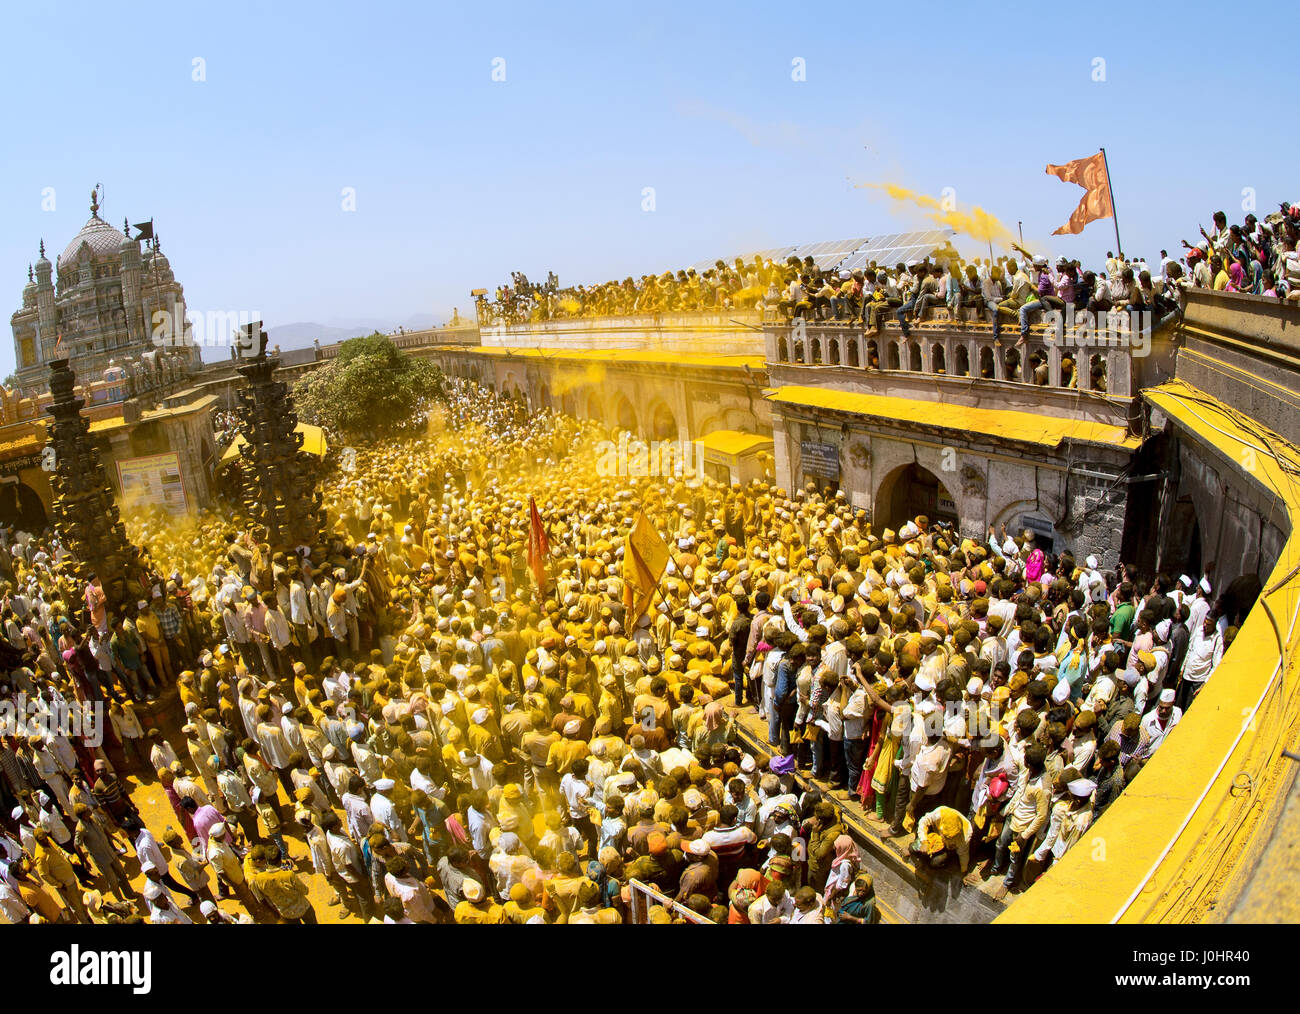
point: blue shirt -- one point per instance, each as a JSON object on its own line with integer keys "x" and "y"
{"x": 786, "y": 674}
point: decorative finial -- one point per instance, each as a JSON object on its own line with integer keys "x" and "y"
{"x": 42, "y": 248}
{"x": 126, "y": 227}
{"x": 94, "y": 202}
{"x": 29, "y": 274}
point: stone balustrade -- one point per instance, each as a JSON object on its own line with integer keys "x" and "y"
{"x": 1069, "y": 360}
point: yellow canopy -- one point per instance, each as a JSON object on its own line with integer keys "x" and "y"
{"x": 1009, "y": 424}
{"x": 313, "y": 442}
{"x": 734, "y": 442}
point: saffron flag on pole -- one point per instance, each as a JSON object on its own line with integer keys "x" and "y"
{"x": 539, "y": 547}
{"x": 644, "y": 562}
{"x": 1089, "y": 173}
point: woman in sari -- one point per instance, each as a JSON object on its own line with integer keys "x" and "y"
{"x": 844, "y": 867}
{"x": 709, "y": 728}
{"x": 747, "y": 888}
{"x": 884, "y": 776}
{"x": 860, "y": 907}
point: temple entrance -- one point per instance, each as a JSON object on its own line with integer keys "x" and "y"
{"x": 911, "y": 490}
{"x": 21, "y": 509}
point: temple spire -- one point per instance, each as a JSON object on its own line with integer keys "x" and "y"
{"x": 94, "y": 202}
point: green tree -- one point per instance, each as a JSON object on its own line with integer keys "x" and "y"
{"x": 370, "y": 390}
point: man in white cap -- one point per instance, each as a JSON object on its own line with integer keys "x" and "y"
{"x": 1199, "y": 606}
{"x": 1071, "y": 817}
{"x": 509, "y": 862}
{"x": 1161, "y": 719}
{"x": 381, "y": 806}
{"x": 1204, "y": 652}
{"x": 1091, "y": 582}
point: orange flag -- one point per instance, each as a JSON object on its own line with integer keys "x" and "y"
{"x": 1089, "y": 173}
{"x": 539, "y": 547}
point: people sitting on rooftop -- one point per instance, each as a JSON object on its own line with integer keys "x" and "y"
{"x": 1256, "y": 257}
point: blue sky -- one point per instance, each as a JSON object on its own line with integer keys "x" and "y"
{"x": 460, "y": 179}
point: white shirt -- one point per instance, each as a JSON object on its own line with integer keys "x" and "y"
{"x": 764, "y": 912}
{"x": 386, "y": 813}
{"x": 1157, "y": 732}
{"x": 1203, "y": 654}
{"x": 162, "y": 906}
{"x": 577, "y": 793}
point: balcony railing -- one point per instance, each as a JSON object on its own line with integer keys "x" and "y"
{"x": 1067, "y": 356}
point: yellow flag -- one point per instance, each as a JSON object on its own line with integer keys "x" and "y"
{"x": 644, "y": 561}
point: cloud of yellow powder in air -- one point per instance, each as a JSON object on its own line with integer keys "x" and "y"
{"x": 570, "y": 378}
{"x": 976, "y": 223}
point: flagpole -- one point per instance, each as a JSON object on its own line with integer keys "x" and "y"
{"x": 1119, "y": 247}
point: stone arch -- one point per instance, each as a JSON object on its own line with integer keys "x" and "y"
{"x": 596, "y": 408}
{"x": 1010, "y": 513}
{"x": 816, "y": 346}
{"x": 1036, "y": 369}
{"x": 624, "y": 414}
{"x": 782, "y": 350}
{"x": 938, "y": 359}
{"x": 1096, "y": 379}
{"x": 872, "y": 355}
{"x": 1011, "y": 360}
{"x": 833, "y": 351}
{"x": 21, "y": 508}
{"x": 914, "y": 357}
{"x": 662, "y": 421}
{"x": 961, "y": 361}
{"x": 911, "y": 489}
{"x": 851, "y": 357}
{"x": 894, "y": 361}
{"x": 988, "y": 367}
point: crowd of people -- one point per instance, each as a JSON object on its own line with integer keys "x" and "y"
{"x": 1257, "y": 257}
{"x": 414, "y": 722}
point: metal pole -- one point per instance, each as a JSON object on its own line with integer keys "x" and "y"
{"x": 1021, "y": 227}
{"x": 1119, "y": 247}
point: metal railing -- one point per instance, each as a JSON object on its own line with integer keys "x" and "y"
{"x": 643, "y": 896}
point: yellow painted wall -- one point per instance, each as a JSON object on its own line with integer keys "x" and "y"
{"x": 1180, "y": 841}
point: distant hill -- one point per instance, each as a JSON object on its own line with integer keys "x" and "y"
{"x": 301, "y": 334}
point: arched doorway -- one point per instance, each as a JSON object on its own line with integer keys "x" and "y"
{"x": 663, "y": 424}
{"x": 910, "y": 490}
{"x": 625, "y": 414}
{"x": 21, "y": 509}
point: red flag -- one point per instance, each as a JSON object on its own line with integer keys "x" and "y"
{"x": 58, "y": 343}
{"x": 1089, "y": 173}
{"x": 539, "y": 547}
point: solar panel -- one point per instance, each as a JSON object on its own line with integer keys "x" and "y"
{"x": 898, "y": 247}
{"x": 849, "y": 254}
{"x": 828, "y": 254}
